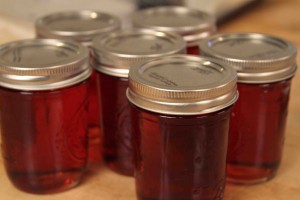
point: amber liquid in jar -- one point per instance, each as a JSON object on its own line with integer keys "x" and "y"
{"x": 44, "y": 136}
{"x": 116, "y": 128}
{"x": 180, "y": 157}
{"x": 257, "y": 132}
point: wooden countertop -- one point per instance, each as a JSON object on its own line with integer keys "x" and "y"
{"x": 277, "y": 17}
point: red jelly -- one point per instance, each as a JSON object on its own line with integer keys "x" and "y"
{"x": 265, "y": 66}
{"x": 193, "y": 25}
{"x": 268, "y": 127}
{"x": 44, "y": 113}
{"x": 117, "y": 137}
{"x": 180, "y": 114}
{"x": 193, "y": 50}
{"x": 114, "y": 55}
{"x": 81, "y": 26}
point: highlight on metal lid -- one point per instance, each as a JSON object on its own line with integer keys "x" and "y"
{"x": 81, "y": 26}
{"x": 192, "y": 24}
{"x": 42, "y": 64}
{"x": 258, "y": 58}
{"x": 182, "y": 85}
{"x": 116, "y": 52}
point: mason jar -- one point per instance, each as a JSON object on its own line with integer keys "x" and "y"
{"x": 266, "y": 65}
{"x": 43, "y": 116}
{"x": 192, "y": 24}
{"x": 83, "y": 27}
{"x": 180, "y": 108}
{"x": 114, "y": 55}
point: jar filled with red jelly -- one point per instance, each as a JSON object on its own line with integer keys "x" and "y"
{"x": 81, "y": 26}
{"x": 266, "y": 65}
{"x": 193, "y": 25}
{"x": 180, "y": 119}
{"x": 114, "y": 55}
{"x": 44, "y": 113}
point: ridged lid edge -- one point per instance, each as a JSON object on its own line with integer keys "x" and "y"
{"x": 255, "y": 70}
{"x": 43, "y": 31}
{"x": 189, "y": 101}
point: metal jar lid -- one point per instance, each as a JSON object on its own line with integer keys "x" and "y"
{"x": 81, "y": 26}
{"x": 192, "y": 24}
{"x": 258, "y": 58}
{"x": 43, "y": 64}
{"x": 116, "y": 52}
{"x": 182, "y": 85}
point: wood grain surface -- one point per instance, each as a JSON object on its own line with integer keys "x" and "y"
{"x": 277, "y": 17}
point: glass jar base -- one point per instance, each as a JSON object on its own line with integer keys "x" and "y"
{"x": 94, "y": 145}
{"x": 45, "y": 183}
{"x": 139, "y": 197}
{"x": 249, "y": 175}
{"x": 177, "y": 197}
{"x": 122, "y": 170}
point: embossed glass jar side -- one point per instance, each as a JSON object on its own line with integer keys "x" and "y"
{"x": 114, "y": 55}
{"x": 82, "y": 26}
{"x": 116, "y": 123}
{"x": 270, "y": 103}
{"x": 180, "y": 108}
{"x": 265, "y": 66}
{"x": 43, "y": 97}
{"x": 180, "y": 157}
{"x": 193, "y": 25}
{"x": 44, "y": 137}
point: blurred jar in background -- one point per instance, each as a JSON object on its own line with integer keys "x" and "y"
{"x": 146, "y": 4}
{"x": 83, "y": 27}
{"x": 265, "y": 66}
{"x": 180, "y": 114}
{"x": 44, "y": 99}
{"x": 193, "y": 25}
{"x": 114, "y": 55}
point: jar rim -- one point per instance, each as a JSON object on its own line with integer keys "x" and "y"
{"x": 182, "y": 85}
{"x": 196, "y": 24}
{"x": 258, "y": 58}
{"x": 42, "y": 64}
{"x": 92, "y": 23}
{"x": 114, "y": 53}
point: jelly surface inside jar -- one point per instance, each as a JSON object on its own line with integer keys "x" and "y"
{"x": 44, "y": 136}
{"x": 257, "y": 132}
{"x": 115, "y": 127}
{"x": 180, "y": 157}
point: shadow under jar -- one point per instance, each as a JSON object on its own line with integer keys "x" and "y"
{"x": 180, "y": 117}
{"x": 265, "y": 66}
{"x": 114, "y": 55}
{"x": 83, "y": 27}
{"x": 43, "y": 97}
{"x": 193, "y": 25}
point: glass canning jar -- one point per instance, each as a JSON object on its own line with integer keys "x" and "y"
{"x": 114, "y": 55}
{"x": 81, "y": 26}
{"x": 180, "y": 117}
{"x": 265, "y": 66}
{"x": 43, "y": 115}
{"x": 193, "y": 25}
